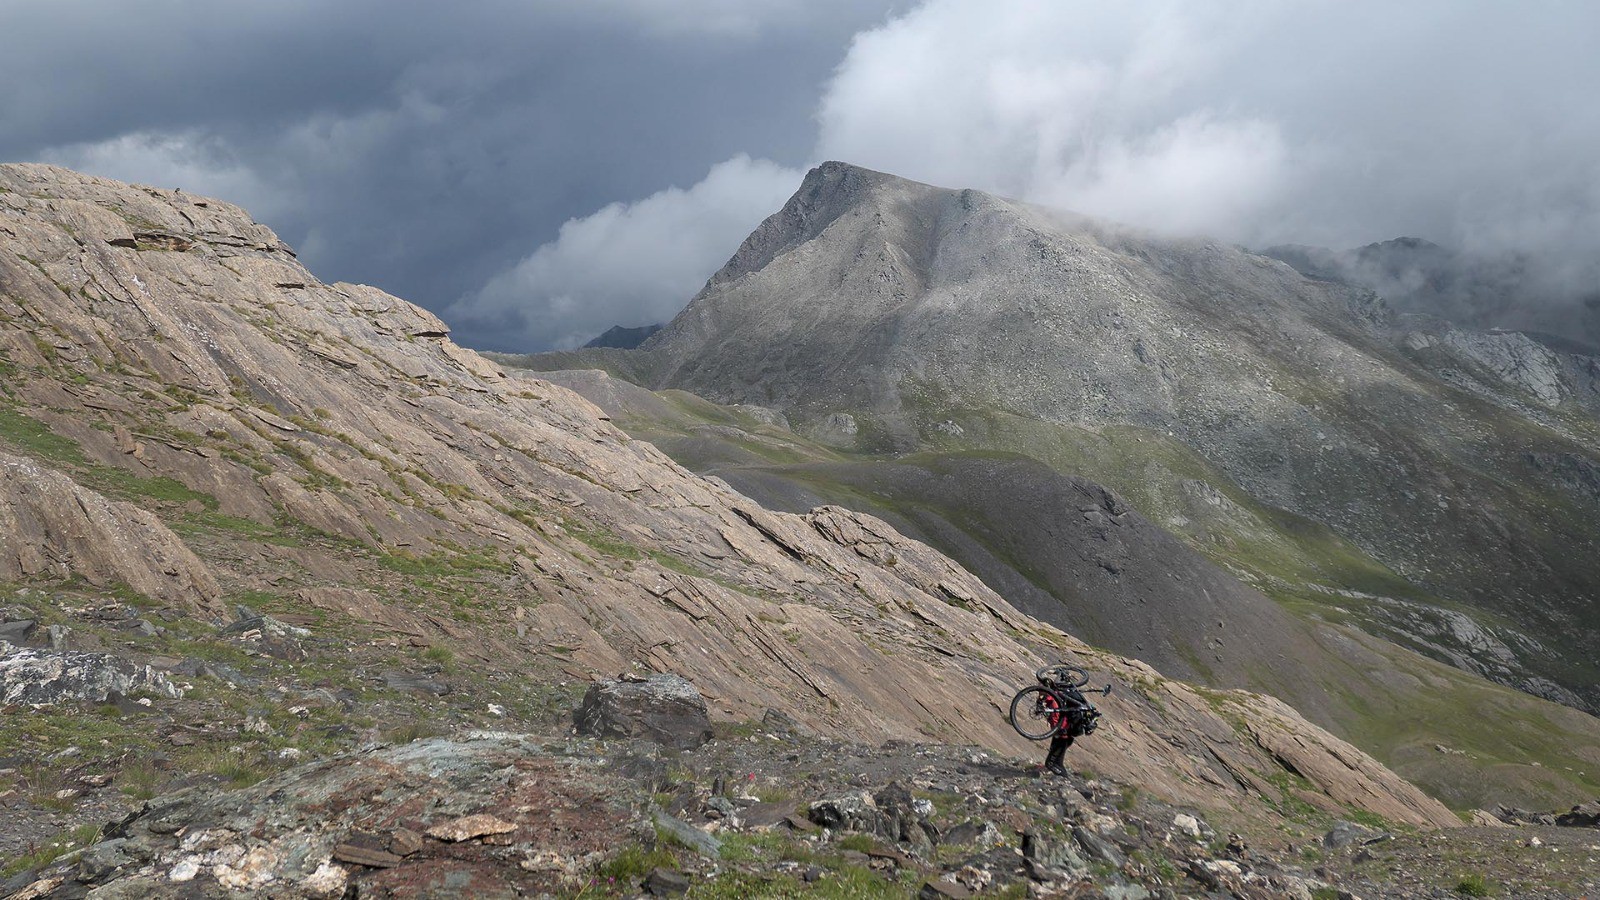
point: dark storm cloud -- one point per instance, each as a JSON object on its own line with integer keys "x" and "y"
{"x": 423, "y": 147}
{"x": 539, "y": 171}
{"x": 1334, "y": 122}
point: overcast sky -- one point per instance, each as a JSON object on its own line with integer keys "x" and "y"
{"x": 536, "y": 172}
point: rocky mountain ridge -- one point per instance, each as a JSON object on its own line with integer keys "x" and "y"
{"x": 885, "y": 316}
{"x": 624, "y": 338}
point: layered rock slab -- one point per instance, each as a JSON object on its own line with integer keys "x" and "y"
{"x": 52, "y": 527}
{"x": 665, "y": 709}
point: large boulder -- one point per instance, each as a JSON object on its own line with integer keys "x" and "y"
{"x": 40, "y": 677}
{"x": 666, "y": 709}
{"x": 856, "y": 811}
{"x": 1584, "y": 815}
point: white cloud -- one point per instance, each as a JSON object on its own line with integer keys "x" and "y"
{"x": 1339, "y": 122}
{"x": 190, "y": 160}
{"x": 1076, "y": 105}
{"x": 629, "y": 263}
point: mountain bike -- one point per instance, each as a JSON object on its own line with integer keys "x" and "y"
{"x": 1056, "y": 704}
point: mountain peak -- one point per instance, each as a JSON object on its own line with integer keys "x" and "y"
{"x": 623, "y": 337}
{"x": 829, "y": 190}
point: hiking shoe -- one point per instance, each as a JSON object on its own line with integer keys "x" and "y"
{"x": 1056, "y": 769}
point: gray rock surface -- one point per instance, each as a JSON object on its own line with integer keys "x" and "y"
{"x": 666, "y": 709}
{"x": 19, "y": 631}
{"x": 856, "y": 811}
{"x": 1584, "y": 815}
{"x": 35, "y": 676}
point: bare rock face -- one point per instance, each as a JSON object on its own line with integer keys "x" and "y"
{"x": 1584, "y": 815}
{"x": 1339, "y": 769}
{"x": 43, "y": 677}
{"x": 665, "y": 709}
{"x": 51, "y": 527}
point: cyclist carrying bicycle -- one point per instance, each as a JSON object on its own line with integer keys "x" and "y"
{"x": 1068, "y": 712}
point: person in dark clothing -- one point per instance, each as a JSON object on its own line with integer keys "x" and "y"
{"x": 1058, "y": 752}
{"x": 1062, "y": 720}
{"x": 1075, "y": 715}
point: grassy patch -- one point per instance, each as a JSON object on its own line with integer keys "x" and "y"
{"x": 140, "y": 779}
{"x": 859, "y": 842}
{"x": 41, "y": 733}
{"x": 210, "y": 522}
{"x": 414, "y": 730}
{"x": 627, "y": 869}
{"x": 238, "y": 769}
{"x": 1370, "y": 819}
{"x": 52, "y": 850}
{"x": 681, "y": 566}
{"x": 37, "y": 440}
{"x": 603, "y": 540}
{"x": 443, "y": 564}
{"x": 843, "y": 883}
{"x": 32, "y": 437}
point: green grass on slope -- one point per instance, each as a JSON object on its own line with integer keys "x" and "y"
{"x": 721, "y": 434}
{"x": 1467, "y": 741}
{"x": 30, "y": 437}
{"x": 1153, "y": 471}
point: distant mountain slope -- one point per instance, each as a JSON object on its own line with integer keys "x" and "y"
{"x": 1068, "y": 552}
{"x": 888, "y": 316}
{"x": 624, "y": 338}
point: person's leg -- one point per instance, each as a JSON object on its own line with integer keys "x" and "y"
{"x": 1058, "y": 752}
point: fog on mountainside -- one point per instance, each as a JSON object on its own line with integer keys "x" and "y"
{"x": 1504, "y": 292}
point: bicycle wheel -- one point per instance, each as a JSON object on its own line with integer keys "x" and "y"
{"x": 1033, "y": 711}
{"x": 1063, "y": 674}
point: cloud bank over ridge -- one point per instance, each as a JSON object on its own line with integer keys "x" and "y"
{"x": 631, "y": 264}
{"x": 1317, "y": 122}
{"x": 478, "y": 158}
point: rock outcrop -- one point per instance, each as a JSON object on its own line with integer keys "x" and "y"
{"x": 401, "y": 821}
{"x": 665, "y": 709}
{"x": 45, "y": 677}
{"x": 51, "y": 527}
{"x": 1584, "y": 815}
